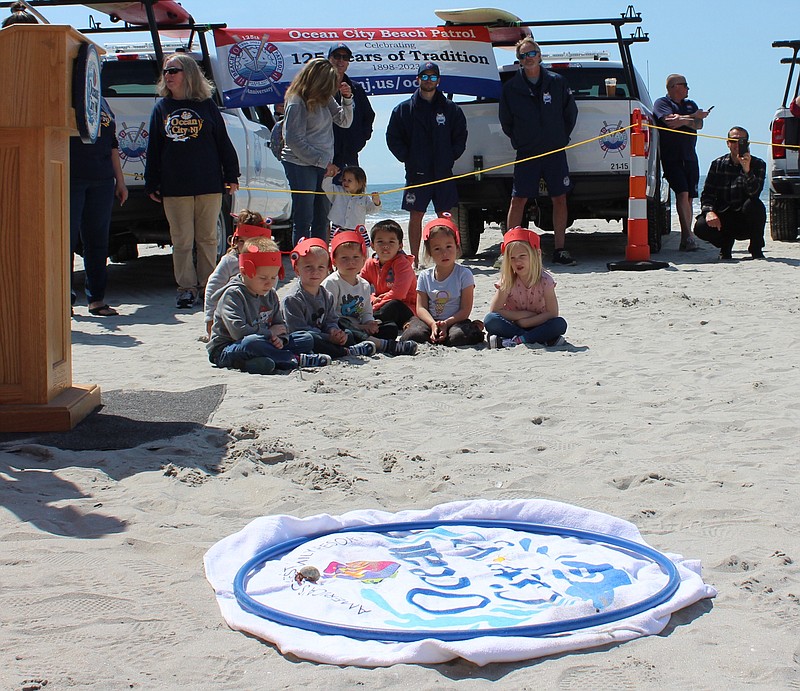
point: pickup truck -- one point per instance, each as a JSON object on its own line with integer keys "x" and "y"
{"x": 784, "y": 162}
{"x": 599, "y": 170}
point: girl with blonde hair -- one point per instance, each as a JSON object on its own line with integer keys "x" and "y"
{"x": 524, "y": 308}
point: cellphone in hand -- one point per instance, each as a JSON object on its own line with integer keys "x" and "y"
{"x": 710, "y": 108}
{"x": 744, "y": 146}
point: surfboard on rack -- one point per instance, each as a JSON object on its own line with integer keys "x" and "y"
{"x": 503, "y": 26}
{"x": 165, "y": 11}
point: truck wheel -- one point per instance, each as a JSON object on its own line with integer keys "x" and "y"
{"x": 782, "y": 218}
{"x": 224, "y": 226}
{"x": 124, "y": 253}
{"x": 655, "y": 224}
{"x": 470, "y": 227}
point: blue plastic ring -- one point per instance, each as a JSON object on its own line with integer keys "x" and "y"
{"x": 255, "y": 564}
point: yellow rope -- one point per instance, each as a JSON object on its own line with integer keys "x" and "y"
{"x": 510, "y": 163}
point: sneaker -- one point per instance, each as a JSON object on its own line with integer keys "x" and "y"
{"x": 511, "y": 342}
{"x": 494, "y": 341}
{"x": 404, "y": 348}
{"x": 689, "y": 245}
{"x": 725, "y": 256}
{"x": 563, "y": 257}
{"x": 365, "y": 348}
{"x": 314, "y": 360}
{"x": 259, "y": 365}
{"x": 556, "y": 342}
{"x": 757, "y": 255}
{"x": 185, "y": 299}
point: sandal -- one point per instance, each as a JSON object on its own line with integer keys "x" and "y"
{"x": 103, "y": 311}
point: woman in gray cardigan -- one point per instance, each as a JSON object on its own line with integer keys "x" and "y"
{"x": 311, "y": 111}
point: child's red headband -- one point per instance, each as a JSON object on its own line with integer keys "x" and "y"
{"x": 444, "y": 220}
{"x": 304, "y": 247}
{"x": 348, "y": 236}
{"x": 520, "y": 234}
{"x": 250, "y": 259}
{"x": 246, "y": 230}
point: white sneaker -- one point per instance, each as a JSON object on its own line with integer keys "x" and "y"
{"x": 365, "y": 348}
{"x": 495, "y": 342}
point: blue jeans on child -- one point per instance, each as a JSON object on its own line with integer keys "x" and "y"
{"x": 255, "y": 345}
{"x": 548, "y": 331}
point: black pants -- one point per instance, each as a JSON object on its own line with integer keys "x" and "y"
{"x": 393, "y": 312}
{"x": 745, "y": 224}
{"x": 460, "y": 334}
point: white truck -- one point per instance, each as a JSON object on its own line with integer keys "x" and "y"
{"x": 784, "y": 161}
{"x": 599, "y": 170}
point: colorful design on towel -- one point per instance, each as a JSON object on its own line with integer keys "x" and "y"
{"x": 364, "y": 571}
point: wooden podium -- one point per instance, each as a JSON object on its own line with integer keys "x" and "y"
{"x": 37, "y": 118}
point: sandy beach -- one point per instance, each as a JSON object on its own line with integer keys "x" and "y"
{"x": 673, "y": 406}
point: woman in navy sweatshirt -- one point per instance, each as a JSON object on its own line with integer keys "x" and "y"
{"x": 191, "y": 162}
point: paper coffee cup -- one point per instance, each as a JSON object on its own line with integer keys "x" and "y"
{"x": 611, "y": 86}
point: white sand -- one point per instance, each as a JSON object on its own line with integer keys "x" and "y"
{"x": 675, "y": 407}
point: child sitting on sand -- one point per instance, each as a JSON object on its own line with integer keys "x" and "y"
{"x": 351, "y": 297}
{"x": 249, "y": 224}
{"x": 444, "y": 292}
{"x": 309, "y": 308}
{"x": 350, "y": 202}
{"x": 524, "y": 308}
{"x": 248, "y": 332}
{"x": 390, "y": 272}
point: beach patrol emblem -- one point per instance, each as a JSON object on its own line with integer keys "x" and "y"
{"x": 255, "y": 64}
{"x": 183, "y": 125}
{"x": 613, "y": 138}
{"x": 440, "y": 119}
{"x": 132, "y": 142}
{"x": 547, "y": 98}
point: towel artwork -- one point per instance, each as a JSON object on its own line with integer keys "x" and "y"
{"x": 464, "y": 580}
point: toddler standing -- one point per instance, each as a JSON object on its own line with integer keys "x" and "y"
{"x": 350, "y": 202}
{"x": 445, "y": 291}
{"x": 524, "y": 308}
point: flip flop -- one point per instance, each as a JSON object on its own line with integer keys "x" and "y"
{"x": 103, "y": 311}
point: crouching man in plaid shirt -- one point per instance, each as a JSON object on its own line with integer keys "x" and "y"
{"x": 730, "y": 206}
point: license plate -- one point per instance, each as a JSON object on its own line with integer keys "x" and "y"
{"x": 543, "y": 188}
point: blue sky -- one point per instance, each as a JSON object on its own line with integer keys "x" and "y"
{"x": 723, "y": 48}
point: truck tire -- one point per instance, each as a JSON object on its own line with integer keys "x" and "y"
{"x": 782, "y": 218}
{"x": 655, "y": 224}
{"x": 470, "y": 226}
{"x": 224, "y": 226}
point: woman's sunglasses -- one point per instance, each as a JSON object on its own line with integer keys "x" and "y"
{"x": 172, "y": 70}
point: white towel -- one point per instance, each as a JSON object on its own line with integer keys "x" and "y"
{"x": 447, "y": 579}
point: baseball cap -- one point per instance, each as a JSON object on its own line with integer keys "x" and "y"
{"x": 428, "y": 67}
{"x": 340, "y": 46}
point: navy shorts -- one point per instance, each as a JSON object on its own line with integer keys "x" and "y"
{"x": 553, "y": 169}
{"x": 682, "y": 176}
{"x": 444, "y": 196}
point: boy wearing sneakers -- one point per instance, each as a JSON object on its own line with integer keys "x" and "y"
{"x": 248, "y": 332}
{"x": 351, "y": 296}
{"x": 309, "y": 308}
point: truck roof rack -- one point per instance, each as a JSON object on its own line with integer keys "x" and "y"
{"x": 792, "y": 61}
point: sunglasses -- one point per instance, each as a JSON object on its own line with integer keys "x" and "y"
{"x": 681, "y": 84}
{"x": 529, "y": 54}
{"x": 429, "y": 77}
{"x": 172, "y": 70}
{"x": 341, "y": 56}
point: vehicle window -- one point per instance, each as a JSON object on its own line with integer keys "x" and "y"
{"x": 585, "y": 82}
{"x": 129, "y": 78}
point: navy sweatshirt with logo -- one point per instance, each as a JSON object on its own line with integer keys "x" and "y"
{"x": 188, "y": 150}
